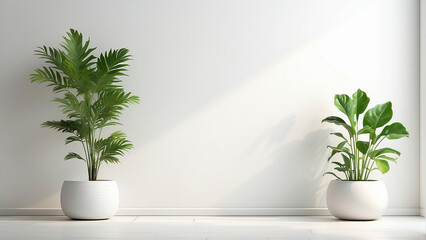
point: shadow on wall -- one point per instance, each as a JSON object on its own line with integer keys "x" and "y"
{"x": 296, "y": 167}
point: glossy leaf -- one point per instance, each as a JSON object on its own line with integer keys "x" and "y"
{"x": 378, "y": 116}
{"x": 382, "y": 165}
{"x": 362, "y": 146}
{"x": 394, "y": 131}
{"x": 345, "y": 104}
{"x": 361, "y": 101}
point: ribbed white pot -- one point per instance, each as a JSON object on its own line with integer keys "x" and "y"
{"x": 357, "y": 200}
{"x": 89, "y": 199}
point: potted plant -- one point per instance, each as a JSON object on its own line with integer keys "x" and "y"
{"x": 353, "y": 195}
{"x": 91, "y": 97}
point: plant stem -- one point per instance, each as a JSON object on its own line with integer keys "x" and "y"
{"x": 350, "y": 165}
{"x": 371, "y": 161}
{"x": 354, "y": 177}
{"x": 365, "y": 161}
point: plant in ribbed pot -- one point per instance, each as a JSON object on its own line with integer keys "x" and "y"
{"x": 354, "y": 196}
{"x": 89, "y": 92}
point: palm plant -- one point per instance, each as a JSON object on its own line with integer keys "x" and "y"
{"x": 359, "y": 146}
{"x": 90, "y": 96}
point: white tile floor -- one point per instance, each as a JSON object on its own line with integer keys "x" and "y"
{"x": 202, "y": 228}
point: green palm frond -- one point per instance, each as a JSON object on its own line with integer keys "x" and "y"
{"x": 65, "y": 126}
{"x": 76, "y": 52}
{"x": 70, "y": 105}
{"x": 110, "y": 105}
{"x": 72, "y": 139}
{"x": 110, "y": 66}
{"x": 112, "y": 147}
{"x": 53, "y": 56}
{"x": 53, "y": 77}
{"x": 73, "y": 155}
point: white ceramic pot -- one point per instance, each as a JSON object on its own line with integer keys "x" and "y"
{"x": 89, "y": 199}
{"x": 357, "y": 200}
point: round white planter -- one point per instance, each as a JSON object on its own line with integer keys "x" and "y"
{"x": 357, "y": 200}
{"x": 89, "y": 199}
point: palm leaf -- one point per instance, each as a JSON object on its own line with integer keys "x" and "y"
{"x": 66, "y": 126}
{"x": 73, "y": 155}
{"x": 52, "y": 77}
{"x": 52, "y": 55}
{"x": 112, "y": 147}
{"x": 76, "y": 52}
{"x": 110, "y": 105}
{"x": 71, "y": 139}
{"x": 110, "y": 65}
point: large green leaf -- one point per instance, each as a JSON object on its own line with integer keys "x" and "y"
{"x": 381, "y": 151}
{"x": 361, "y": 101}
{"x": 340, "y": 122}
{"x": 362, "y": 146}
{"x": 382, "y": 165}
{"x": 346, "y": 105}
{"x": 394, "y": 131}
{"x": 378, "y": 116}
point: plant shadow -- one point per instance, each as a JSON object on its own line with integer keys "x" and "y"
{"x": 296, "y": 167}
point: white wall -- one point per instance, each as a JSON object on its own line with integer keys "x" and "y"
{"x": 233, "y": 94}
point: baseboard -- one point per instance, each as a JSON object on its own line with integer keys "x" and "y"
{"x": 205, "y": 212}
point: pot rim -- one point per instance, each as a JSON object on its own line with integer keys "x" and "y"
{"x": 341, "y": 180}
{"x": 101, "y": 180}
